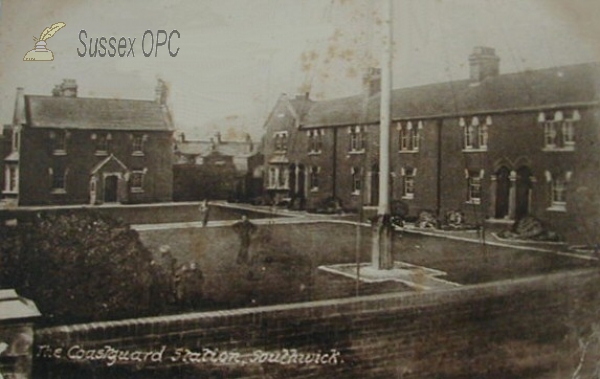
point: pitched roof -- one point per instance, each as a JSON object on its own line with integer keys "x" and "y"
{"x": 227, "y": 148}
{"x": 95, "y": 113}
{"x": 529, "y": 89}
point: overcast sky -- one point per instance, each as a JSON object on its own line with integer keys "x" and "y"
{"x": 237, "y": 56}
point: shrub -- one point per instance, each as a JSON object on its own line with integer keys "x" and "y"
{"x": 80, "y": 267}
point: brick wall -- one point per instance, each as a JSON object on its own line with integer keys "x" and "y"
{"x": 505, "y": 329}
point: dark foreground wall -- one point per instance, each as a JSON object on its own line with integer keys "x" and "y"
{"x": 513, "y": 329}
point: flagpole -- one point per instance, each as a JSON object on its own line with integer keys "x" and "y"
{"x": 381, "y": 257}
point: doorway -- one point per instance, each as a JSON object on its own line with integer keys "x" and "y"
{"x": 523, "y": 192}
{"x": 502, "y": 192}
{"x": 375, "y": 184}
{"x": 111, "y": 187}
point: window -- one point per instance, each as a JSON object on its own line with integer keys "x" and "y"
{"x": 314, "y": 178}
{"x": 272, "y": 182}
{"x": 138, "y": 144}
{"x": 356, "y": 180}
{"x": 280, "y": 141}
{"x": 550, "y": 135}
{"x": 59, "y": 180}
{"x": 408, "y": 183}
{"x": 558, "y": 193}
{"x": 409, "y": 136}
{"x": 102, "y": 143}
{"x": 475, "y": 134}
{"x": 59, "y": 142}
{"x": 11, "y": 176}
{"x": 474, "y": 179}
{"x": 315, "y": 141}
{"x": 137, "y": 180}
{"x": 356, "y": 135}
{"x": 16, "y": 139}
{"x": 558, "y": 190}
{"x": 559, "y": 131}
{"x": 278, "y": 178}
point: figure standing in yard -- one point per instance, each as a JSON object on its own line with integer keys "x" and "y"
{"x": 203, "y": 208}
{"x": 244, "y": 229}
{"x": 188, "y": 285}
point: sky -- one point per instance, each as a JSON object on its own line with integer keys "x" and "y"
{"x": 236, "y": 57}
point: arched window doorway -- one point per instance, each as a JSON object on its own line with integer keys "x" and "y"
{"x": 523, "y": 192}
{"x": 502, "y": 192}
{"x": 375, "y": 184}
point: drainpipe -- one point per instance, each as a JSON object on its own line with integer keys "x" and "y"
{"x": 334, "y": 163}
{"x": 439, "y": 168}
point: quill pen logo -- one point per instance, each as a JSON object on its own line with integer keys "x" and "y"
{"x": 41, "y": 53}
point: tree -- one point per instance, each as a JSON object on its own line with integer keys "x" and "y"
{"x": 81, "y": 266}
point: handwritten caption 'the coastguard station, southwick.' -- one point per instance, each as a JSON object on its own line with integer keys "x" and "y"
{"x": 124, "y": 47}
{"x": 110, "y": 356}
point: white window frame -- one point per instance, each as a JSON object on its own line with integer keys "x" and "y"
{"x": 475, "y": 134}
{"x": 280, "y": 141}
{"x": 141, "y": 174}
{"x": 409, "y": 136}
{"x": 558, "y": 190}
{"x": 550, "y": 135}
{"x": 138, "y": 142}
{"x": 357, "y": 142}
{"x": 59, "y": 141}
{"x": 315, "y": 141}
{"x": 408, "y": 183}
{"x": 58, "y": 179}
{"x": 356, "y": 176}
{"x": 11, "y": 178}
{"x": 559, "y": 132}
{"x": 314, "y": 178}
{"x": 474, "y": 181}
{"x": 102, "y": 143}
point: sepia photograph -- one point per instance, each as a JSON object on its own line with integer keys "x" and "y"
{"x": 276, "y": 189}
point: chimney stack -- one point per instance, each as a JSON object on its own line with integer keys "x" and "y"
{"x": 68, "y": 88}
{"x": 372, "y": 81}
{"x": 483, "y": 63}
{"x": 161, "y": 92}
{"x": 19, "y": 113}
{"x": 248, "y": 140}
{"x": 218, "y": 137}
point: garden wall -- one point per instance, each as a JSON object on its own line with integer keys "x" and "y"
{"x": 143, "y": 213}
{"x": 506, "y": 329}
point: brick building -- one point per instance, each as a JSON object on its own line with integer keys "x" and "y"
{"x": 217, "y": 169}
{"x": 496, "y": 146}
{"x": 73, "y": 150}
